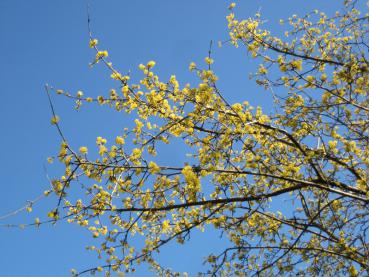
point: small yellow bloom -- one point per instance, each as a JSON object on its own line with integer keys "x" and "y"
{"x": 101, "y": 54}
{"x": 119, "y": 140}
{"x": 297, "y": 64}
{"x": 262, "y": 69}
{"x": 150, "y": 64}
{"x": 100, "y": 99}
{"x": 113, "y": 152}
{"x": 125, "y": 90}
{"x": 104, "y": 230}
{"x": 100, "y": 140}
{"x": 141, "y": 66}
{"x": 352, "y": 271}
{"x": 83, "y": 150}
{"x": 116, "y": 75}
{"x": 55, "y": 119}
{"x": 79, "y": 94}
{"x": 283, "y": 67}
{"x": 165, "y": 226}
{"x": 323, "y": 78}
{"x": 209, "y": 60}
{"x": 192, "y": 66}
{"x": 232, "y": 6}
{"x": 93, "y": 42}
{"x": 153, "y": 168}
{"x": 136, "y": 153}
{"x": 53, "y": 214}
{"x": 310, "y": 78}
{"x": 332, "y": 144}
{"x": 102, "y": 150}
{"x": 252, "y": 25}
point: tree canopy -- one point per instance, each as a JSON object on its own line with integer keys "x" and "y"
{"x": 288, "y": 189}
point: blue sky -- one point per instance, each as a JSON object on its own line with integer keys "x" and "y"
{"x": 47, "y": 42}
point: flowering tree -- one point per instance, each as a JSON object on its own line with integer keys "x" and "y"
{"x": 311, "y": 152}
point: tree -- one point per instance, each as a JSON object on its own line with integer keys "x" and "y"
{"x": 311, "y": 153}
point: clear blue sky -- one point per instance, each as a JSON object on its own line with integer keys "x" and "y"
{"x": 47, "y": 42}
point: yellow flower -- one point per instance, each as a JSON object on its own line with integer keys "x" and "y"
{"x": 139, "y": 126}
{"x": 100, "y": 99}
{"x": 209, "y": 60}
{"x": 310, "y": 78}
{"x": 79, "y": 94}
{"x": 192, "y": 66}
{"x": 323, "y": 78}
{"x": 55, "y": 119}
{"x": 93, "y": 42}
{"x": 125, "y": 90}
{"x": 113, "y": 152}
{"x": 252, "y": 25}
{"x": 119, "y": 140}
{"x": 104, "y": 230}
{"x": 83, "y": 150}
{"x": 165, "y": 226}
{"x": 153, "y": 168}
{"x": 192, "y": 180}
{"x": 116, "y": 76}
{"x": 53, "y": 214}
{"x": 232, "y": 6}
{"x": 101, "y": 54}
{"x": 283, "y": 67}
{"x": 353, "y": 272}
{"x": 150, "y": 64}
{"x": 136, "y": 153}
{"x": 332, "y": 144}
{"x": 297, "y": 64}
{"x": 262, "y": 69}
{"x": 141, "y": 66}
{"x": 100, "y": 140}
{"x": 102, "y": 150}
